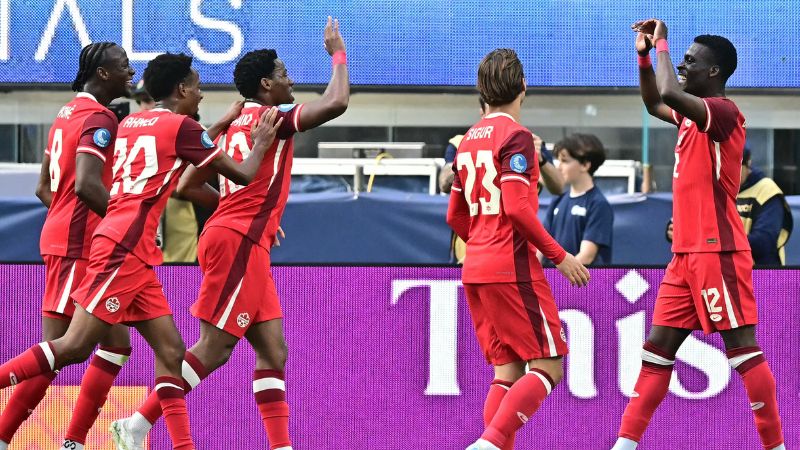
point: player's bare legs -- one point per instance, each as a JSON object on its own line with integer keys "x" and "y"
{"x": 167, "y": 344}
{"x": 658, "y": 359}
{"x": 746, "y": 357}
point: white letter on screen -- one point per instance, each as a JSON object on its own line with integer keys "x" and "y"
{"x": 707, "y": 359}
{"x": 52, "y": 23}
{"x": 127, "y": 35}
{"x": 580, "y": 332}
{"x": 442, "y": 375}
{"x": 631, "y": 337}
{"x": 214, "y": 24}
{"x": 4, "y": 30}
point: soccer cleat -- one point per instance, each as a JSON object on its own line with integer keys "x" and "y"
{"x": 482, "y": 444}
{"x": 625, "y": 444}
{"x": 71, "y": 445}
{"x": 124, "y": 438}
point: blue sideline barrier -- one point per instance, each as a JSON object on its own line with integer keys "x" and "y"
{"x": 388, "y": 228}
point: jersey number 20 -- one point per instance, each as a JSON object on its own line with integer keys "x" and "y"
{"x": 133, "y": 184}
{"x": 483, "y": 158}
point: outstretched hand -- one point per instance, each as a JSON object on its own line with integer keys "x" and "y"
{"x": 333, "y": 39}
{"x": 643, "y": 44}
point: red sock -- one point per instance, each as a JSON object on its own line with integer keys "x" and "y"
{"x": 34, "y": 361}
{"x": 193, "y": 372}
{"x": 497, "y": 391}
{"x": 760, "y": 386}
{"x": 269, "y": 389}
{"x": 96, "y": 382}
{"x": 23, "y": 401}
{"x": 521, "y": 401}
{"x": 650, "y": 390}
{"x": 173, "y": 405}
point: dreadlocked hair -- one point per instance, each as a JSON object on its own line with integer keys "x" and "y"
{"x": 249, "y": 71}
{"x": 91, "y": 58}
{"x": 165, "y": 72}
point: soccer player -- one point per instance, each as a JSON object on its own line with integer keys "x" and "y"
{"x": 493, "y": 209}
{"x": 151, "y": 151}
{"x": 238, "y": 297}
{"x": 708, "y": 285}
{"x": 73, "y": 185}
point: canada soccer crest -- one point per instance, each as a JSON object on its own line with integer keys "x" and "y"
{"x": 112, "y": 304}
{"x": 242, "y": 320}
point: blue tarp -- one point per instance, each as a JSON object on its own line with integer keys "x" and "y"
{"x": 389, "y": 228}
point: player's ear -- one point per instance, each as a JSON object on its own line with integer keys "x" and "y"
{"x": 266, "y": 83}
{"x": 102, "y": 73}
{"x": 181, "y": 88}
{"x": 713, "y": 71}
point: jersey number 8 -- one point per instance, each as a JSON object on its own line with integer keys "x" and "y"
{"x": 483, "y": 158}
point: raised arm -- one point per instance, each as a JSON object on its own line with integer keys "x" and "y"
{"x": 671, "y": 92}
{"x": 336, "y": 97}
{"x": 263, "y": 136}
{"x": 647, "y": 81}
{"x": 43, "y": 187}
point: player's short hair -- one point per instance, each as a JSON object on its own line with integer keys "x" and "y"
{"x": 249, "y": 71}
{"x": 164, "y": 73}
{"x": 92, "y": 56}
{"x": 584, "y": 148}
{"x": 482, "y": 103}
{"x": 500, "y": 77}
{"x": 724, "y": 53}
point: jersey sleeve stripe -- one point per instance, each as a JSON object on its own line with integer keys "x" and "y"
{"x": 296, "y": 118}
{"x": 47, "y": 151}
{"x": 675, "y": 117}
{"x": 92, "y": 151}
{"x": 708, "y": 117}
{"x": 455, "y": 189}
{"x": 505, "y": 178}
{"x": 210, "y": 157}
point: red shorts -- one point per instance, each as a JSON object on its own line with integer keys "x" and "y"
{"x": 708, "y": 291}
{"x": 119, "y": 287}
{"x": 63, "y": 277}
{"x": 516, "y": 321}
{"x": 237, "y": 289}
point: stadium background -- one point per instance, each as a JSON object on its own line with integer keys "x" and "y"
{"x": 413, "y": 65}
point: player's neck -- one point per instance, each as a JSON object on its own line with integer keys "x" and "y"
{"x": 581, "y": 186}
{"x": 172, "y": 105}
{"x": 512, "y": 109}
{"x": 261, "y": 101}
{"x": 101, "y": 96}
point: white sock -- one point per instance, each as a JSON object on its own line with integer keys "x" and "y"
{"x": 625, "y": 444}
{"x": 3, "y": 445}
{"x": 71, "y": 445}
{"x": 780, "y": 447}
{"x": 483, "y": 444}
{"x": 138, "y": 425}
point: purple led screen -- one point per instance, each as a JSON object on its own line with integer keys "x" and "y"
{"x": 385, "y": 358}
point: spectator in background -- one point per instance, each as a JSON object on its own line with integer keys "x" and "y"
{"x": 178, "y": 231}
{"x": 549, "y": 177}
{"x": 765, "y": 213}
{"x": 581, "y": 220}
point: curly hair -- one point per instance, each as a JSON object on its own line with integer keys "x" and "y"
{"x": 164, "y": 73}
{"x": 724, "y": 53}
{"x": 249, "y": 71}
{"x": 92, "y": 56}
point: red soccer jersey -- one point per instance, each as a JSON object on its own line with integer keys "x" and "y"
{"x": 495, "y": 150}
{"x": 705, "y": 181}
{"x": 255, "y": 210}
{"x": 82, "y": 126}
{"x": 151, "y": 152}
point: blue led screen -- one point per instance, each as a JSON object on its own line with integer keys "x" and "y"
{"x": 563, "y": 43}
